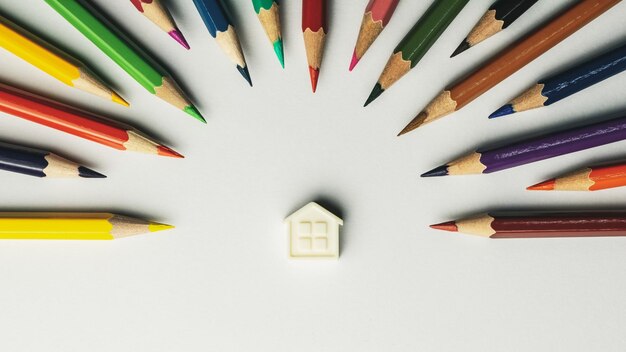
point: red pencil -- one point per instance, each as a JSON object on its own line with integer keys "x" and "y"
{"x": 314, "y": 29}
{"x": 80, "y": 123}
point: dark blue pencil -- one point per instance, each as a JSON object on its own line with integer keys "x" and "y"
{"x": 40, "y": 163}
{"x": 220, "y": 26}
{"x": 560, "y": 86}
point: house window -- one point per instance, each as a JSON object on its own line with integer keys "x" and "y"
{"x": 313, "y": 236}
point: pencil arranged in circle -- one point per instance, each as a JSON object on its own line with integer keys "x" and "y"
{"x": 268, "y": 13}
{"x": 593, "y": 178}
{"x": 40, "y": 163}
{"x": 560, "y": 86}
{"x": 377, "y": 15}
{"x": 540, "y": 224}
{"x": 416, "y": 43}
{"x": 500, "y": 15}
{"x": 73, "y": 226}
{"x": 220, "y": 26}
{"x": 314, "y": 29}
{"x": 78, "y": 122}
{"x": 135, "y": 62}
{"x": 53, "y": 61}
{"x": 158, "y": 14}
{"x": 510, "y": 60}
{"x": 572, "y": 140}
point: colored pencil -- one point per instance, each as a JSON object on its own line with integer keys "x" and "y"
{"x": 221, "y": 27}
{"x": 135, "y": 62}
{"x": 540, "y": 224}
{"x": 560, "y": 86}
{"x": 593, "y": 178}
{"x": 73, "y": 226}
{"x": 500, "y": 15}
{"x": 158, "y": 14}
{"x": 416, "y": 43}
{"x": 314, "y": 30}
{"x": 268, "y": 13}
{"x": 510, "y": 60}
{"x": 40, "y": 163}
{"x": 78, "y": 122}
{"x": 53, "y": 61}
{"x": 377, "y": 15}
{"x": 488, "y": 160}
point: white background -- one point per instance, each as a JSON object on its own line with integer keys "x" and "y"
{"x": 221, "y": 281}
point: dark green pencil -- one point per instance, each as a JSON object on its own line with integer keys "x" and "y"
{"x": 417, "y": 42}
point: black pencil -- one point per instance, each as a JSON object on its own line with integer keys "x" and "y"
{"x": 500, "y": 15}
{"x": 40, "y": 163}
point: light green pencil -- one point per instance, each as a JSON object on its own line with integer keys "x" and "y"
{"x": 269, "y": 15}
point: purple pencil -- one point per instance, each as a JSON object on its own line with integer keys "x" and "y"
{"x": 484, "y": 161}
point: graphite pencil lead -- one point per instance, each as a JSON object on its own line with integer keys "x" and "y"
{"x": 438, "y": 171}
{"x": 461, "y": 48}
{"x": 89, "y": 173}
{"x": 245, "y": 74}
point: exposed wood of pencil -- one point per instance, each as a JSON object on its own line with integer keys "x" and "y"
{"x": 540, "y": 225}
{"x": 511, "y": 59}
{"x": 78, "y": 122}
{"x": 158, "y": 14}
{"x": 53, "y": 61}
{"x": 73, "y": 226}
{"x": 587, "y": 179}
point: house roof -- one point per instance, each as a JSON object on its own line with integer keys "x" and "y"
{"x": 316, "y": 207}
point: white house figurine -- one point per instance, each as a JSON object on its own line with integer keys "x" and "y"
{"x": 313, "y": 233}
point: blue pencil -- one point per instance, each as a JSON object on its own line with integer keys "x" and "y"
{"x": 560, "y": 86}
{"x": 220, "y": 26}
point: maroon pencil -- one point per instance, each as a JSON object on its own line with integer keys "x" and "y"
{"x": 541, "y": 224}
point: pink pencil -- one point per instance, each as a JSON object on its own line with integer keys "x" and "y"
{"x": 377, "y": 15}
{"x": 156, "y": 12}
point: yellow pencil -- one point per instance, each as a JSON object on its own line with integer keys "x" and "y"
{"x": 73, "y": 226}
{"x": 53, "y": 61}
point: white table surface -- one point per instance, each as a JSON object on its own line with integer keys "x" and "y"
{"x": 221, "y": 281}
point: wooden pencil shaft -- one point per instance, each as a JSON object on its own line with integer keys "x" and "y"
{"x": 582, "y": 224}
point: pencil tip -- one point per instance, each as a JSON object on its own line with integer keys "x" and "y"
{"x": 166, "y": 151}
{"x": 116, "y": 98}
{"x": 245, "y": 73}
{"x": 415, "y": 123}
{"x": 155, "y": 226}
{"x": 438, "y": 171}
{"x": 461, "y": 48}
{"x": 446, "y": 226}
{"x": 376, "y": 92}
{"x": 354, "y": 61}
{"x": 314, "y": 77}
{"x": 193, "y": 111}
{"x": 89, "y": 173}
{"x": 543, "y": 186}
{"x": 179, "y": 37}
{"x": 503, "y": 111}
{"x": 278, "y": 49}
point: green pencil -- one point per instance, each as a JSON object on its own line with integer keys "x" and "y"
{"x": 416, "y": 43}
{"x": 133, "y": 61}
{"x": 268, "y": 13}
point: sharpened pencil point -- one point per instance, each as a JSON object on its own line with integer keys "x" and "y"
{"x": 376, "y": 92}
{"x": 278, "y": 49}
{"x": 543, "y": 186}
{"x": 446, "y": 226}
{"x": 503, "y": 111}
{"x": 354, "y": 61}
{"x": 245, "y": 73}
{"x": 438, "y": 171}
{"x": 89, "y": 173}
{"x": 178, "y": 36}
{"x": 166, "y": 151}
{"x": 193, "y": 111}
{"x": 415, "y": 123}
{"x": 461, "y": 48}
{"x": 314, "y": 74}
{"x": 155, "y": 226}
{"x": 119, "y": 100}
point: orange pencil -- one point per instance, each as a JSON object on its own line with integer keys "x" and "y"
{"x": 588, "y": 179}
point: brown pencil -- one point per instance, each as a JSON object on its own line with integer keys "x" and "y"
{"x": 510, "y": 60}
{"x": 540, "y": 224}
